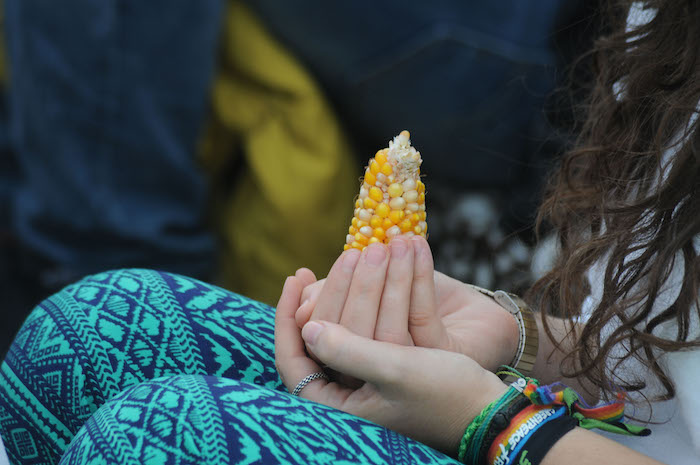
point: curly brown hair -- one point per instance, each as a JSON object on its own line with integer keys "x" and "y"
{"x": 615, "y": 200}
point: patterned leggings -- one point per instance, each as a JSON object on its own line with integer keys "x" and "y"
{"x": 143, "y": 367}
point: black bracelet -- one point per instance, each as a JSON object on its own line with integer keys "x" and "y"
{"x": 543, "y": 439}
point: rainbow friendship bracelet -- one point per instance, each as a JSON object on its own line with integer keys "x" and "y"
{"x": 513, "y": 430}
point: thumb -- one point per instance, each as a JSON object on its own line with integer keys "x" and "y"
{"x": 344, "y": 351}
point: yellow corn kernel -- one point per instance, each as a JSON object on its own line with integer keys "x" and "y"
{"x": 386, "y": 224}
{"x": 387, "y": 169}
{"x": 417, "y": 229}
{"x": 354, "y": 221}
{"x": 361, "y": 224}
{"x": 379, "y": 233}
{"x": 370, "y": 178}
{"x": 420, "y": 187}
{"x": 359, "y": 203}
{"x": 380, "y": 157}
{"x": 369, "y": 204}
{"x": 361, "y": 238}
{"x": 376, "y": 194}
{"x": 405, "y": 226}
{"x": 422, "y": 215}
{"x": 382, "y": 210}
{"x": 346, "y": 247}
{"x": 374, "y": 168}
{"x": 373, "y": 240}
{"x": 352, "y": 230}
{"x": 396, "y": 216}
{"x": 415, "y": 218}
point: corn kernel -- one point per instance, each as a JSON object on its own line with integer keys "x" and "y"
{"x": 421, "y": 187}
{"x": 421, "y": 197}
{"x": 417, "y": 229}
{"x": 366, "y": 231}
{"x": 349, "y": 238}
{"x": 379, "y": 233}
{"x": 382, "y": 210}
{"x": 352, "y": 230}
{"x": 408, "y": 185}
{"x": 376, "y": 194}
{"x": 410, "y": 196}
{"x": 393, "y": 232}
{"x": 414, "y": 207}
{"x": 369, "y": 204}
{"x": 415, "y": 218}
{"x": 357, "y": 245}
{"x": 354, "y": 221}
{"x": 364, "y": 215}
{"x": 376, "y": 221}
{"x": 359, "y": 203}
{"x": 422, "y": 215}
{"x": 387, "y": 169}
{"x": 370, "y": 178}
{"x": 346, "y": 247}
{"x": 374, "y": 167}
{"x": 361, "y": 224}
{"x": 405, "y": 226}
{"x": 395, "y": 190}
{"x": 386, "y": 224}
{"x": 361, "y": 238}
{"x": 381, "y": 157}
{"x": 373, "y": 240}
{"x": 396, "y": 216}
{"x": 397, "y": 204}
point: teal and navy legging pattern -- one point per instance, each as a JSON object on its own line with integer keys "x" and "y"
{"x": 145, "y": 367}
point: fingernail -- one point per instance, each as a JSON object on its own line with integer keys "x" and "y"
{"x": 398, "y": 248}
{"x": 350, "y": 260}
{"x": 376, "y": 253}
{"x": 310, "y": 332}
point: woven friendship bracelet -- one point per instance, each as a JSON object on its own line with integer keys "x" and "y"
{"x": 526, "y": 422}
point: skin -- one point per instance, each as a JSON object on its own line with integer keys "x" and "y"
{"x": 419, "y": 355}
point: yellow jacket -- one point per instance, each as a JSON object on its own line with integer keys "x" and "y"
{"x": 290, "y": 201}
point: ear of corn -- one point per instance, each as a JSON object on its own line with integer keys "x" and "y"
{"x": 392, "y": 197}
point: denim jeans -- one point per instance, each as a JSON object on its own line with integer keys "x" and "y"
{"x": 107, "y": 99}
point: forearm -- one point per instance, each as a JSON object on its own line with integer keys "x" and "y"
{"x": 547, "y": 367}
{"x": 583, "y": 447}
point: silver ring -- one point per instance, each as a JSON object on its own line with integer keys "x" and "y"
{"x": 313, "y": 376}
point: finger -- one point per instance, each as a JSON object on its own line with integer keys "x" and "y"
{"x": 306, "y": 276}
{"x": 362, "y": 305}
{"x": 303, "y": 314}
{"x": 423, "y": 321}
{"x": 335, "y": 290}
{"x": 309, "y": 299}
{"x": 380, "y": 363}
{"x": 290, "y": 357}
{"x": 392, "y": 321}
{"x": 312, "y": 291}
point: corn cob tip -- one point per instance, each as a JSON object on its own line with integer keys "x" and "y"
{"x": 391, "y": 201}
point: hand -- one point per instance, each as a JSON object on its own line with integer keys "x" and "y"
{"x": 427, "y": 394}
{"x": 368, "y": 293}
{"x": 443, "y": 313}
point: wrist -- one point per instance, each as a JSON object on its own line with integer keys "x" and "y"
{"x": 492, "y": 390}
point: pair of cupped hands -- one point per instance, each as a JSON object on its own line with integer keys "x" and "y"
{"x": 410, "y": 348}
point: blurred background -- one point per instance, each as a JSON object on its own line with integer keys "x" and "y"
{"x": 223, "y": 139}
